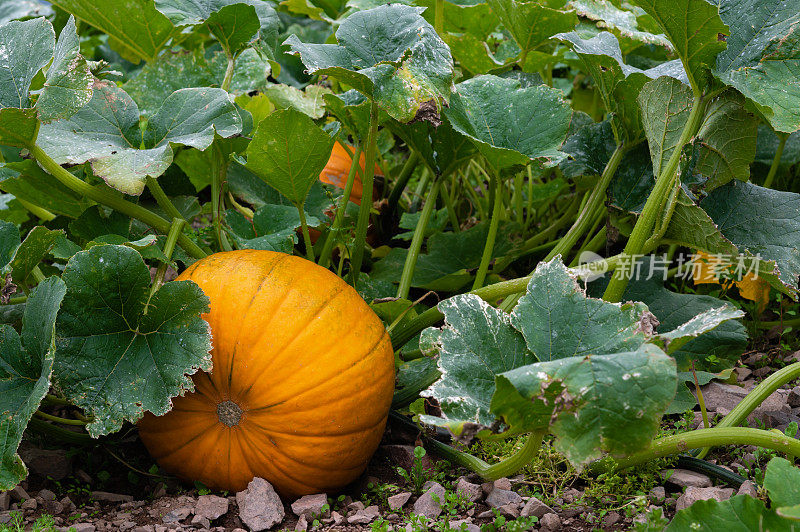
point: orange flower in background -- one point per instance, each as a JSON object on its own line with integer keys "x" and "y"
{"x": 714, "y": 269}
{"x": 336, "y": 171}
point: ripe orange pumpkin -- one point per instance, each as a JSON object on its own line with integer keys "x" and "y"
{"x": 338, "y": 167}
{"x": 302, "y": 380}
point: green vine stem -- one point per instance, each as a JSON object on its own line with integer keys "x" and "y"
{"x": 416, "y": 241}
{"x": 794, "y": 322}
{"x": 161, "y": 198}
{"x": 587, "y": 216}
{"x": 51, "y": 399}
{"x": 661, "y": 191}
{"x": 776, "y": 161}
{"x": 218, "y": 175}
{"x": 229, "y": 70}
{"x": 56, "y": 419}
{"x": 306, "y": 235}
{"x": 451, "y": 211}
{"x": 490, "y": 472}
{"x": 109, "y": 198}
{"x": 422, "y": 186}
{"x": 169, "y": 247}
{"x": 713, "y": 437}
{"x": 327, "y": 247}
{"x": 494, "y": 223}
{"x": 402, "y": 180}
{"x": 757, "y": 396}
{"x": 57, "y": 433}
{"x": 40, "y": 212}
{"x": 366, "y": 196}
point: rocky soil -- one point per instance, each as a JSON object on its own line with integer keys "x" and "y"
{"x": 59, "y": 485}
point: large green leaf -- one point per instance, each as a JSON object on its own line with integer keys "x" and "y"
{"x": 695, "y": 30}
{"x": 510, "y": 124}
{"x": 740, "y": 513}
{"x": 474, "y": 18}
{"x": 691, "y": 226}
{"x": 531, "y": 24}
{"x": 26, "y": 364}
{"x": 68, "y": 86}
{"x": 15, "y": 9}
{"x": 592, "y": 404}
{"x": 235, "y": 23}
{"x": 725, "y": 145}
{"x": 762, "y": 59}
{"x": 619, "y": 83}
{"x": 28, "y": 182}
{"x": 470, "y": 358}
{"x": 31, "y": 251}
{"x": 25, "y": 48}
{"x": 115, "y": 360}
{"x": 289, "y": 151}
{"x": 136, "y": 27}
{"x": 674, "y": 311}
{"x": 621, "y": 21}
{"x": 391, "y": 55}
{"x": 273, "y": 227}
{"x": 782, "y": 481}
{"x": 558, "y": 320}
{"x": 760, "y": 221}
{"x": 665, "y": 104}
{"x": 106, "y": 133}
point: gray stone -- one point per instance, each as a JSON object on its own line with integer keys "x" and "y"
{"x": 19, "y": 494}
{"x": 502, "y": 484}
{"x": 29, "y": 504}
{"x": 84, "y": 527}
{"x": 311, "y": 506}
{"x": 742, "y": 373}
{"x": 535, "y": 508}
{"x": 110, "y": 497}
{"x": 488, "y": 514}
{"x": 694, "y": 494}
{"x": 52, "y": 507}
{"x": 468, "y": 490}
{"x": 365, "y": 516}
{"x": 53, "y": 463}
{"x": 302, "y": 524}
{"x": 794, "y": 397}
{"x": 5, "y": 501}
{"x": 145, "y": 528}
{"x": 500, "y": 497}
{"x": 336, "y": 518}
{"x": 724, "y": 397}
{"x": 355, "y": 506}
{"x": 396, "y": 502}
{"x": 5, "y": 517}
{"x": 429, "y": 503}
{"x": 260, "y": 508}
{"x": 611, "y": 518}
{"x": 550, "y": 522}
{"x": 468, "y": 526}
{"x": 200, "y": 521}
{"x": 685, "y": 478}
{"x": 46, "y": 495}
{"x": 510, "y": 510}
{"x": 177, "y": 515}
{"x": 211, "y": 506}
{"x": 748, "y": 488}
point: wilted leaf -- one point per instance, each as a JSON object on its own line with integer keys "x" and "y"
{"x": 391, "y": 55}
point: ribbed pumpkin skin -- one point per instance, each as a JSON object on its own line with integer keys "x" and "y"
{"x": 307, "y": 361}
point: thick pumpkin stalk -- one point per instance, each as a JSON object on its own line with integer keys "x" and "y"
{"x": 416, "y": 241}
{"x": 653, "y": 207}
{"x": 366, "y": 196}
